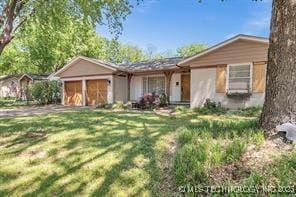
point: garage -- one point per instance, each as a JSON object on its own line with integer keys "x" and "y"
{"x": 73, "y": 93}
{"x": 96, "y": 93}
{"x": 92, "y": 82}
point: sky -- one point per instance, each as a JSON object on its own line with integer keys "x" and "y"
{"x": 169, "y": 24}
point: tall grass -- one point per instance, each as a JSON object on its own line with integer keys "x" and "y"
{"x": 234, "y": 151}
{"x": 282, "y": 172}
{"x": 207, "y": 144}
{"x": 248, "y": 112}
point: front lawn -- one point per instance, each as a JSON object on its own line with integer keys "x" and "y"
{"x": 6, "y": 103}
{"x": 88, "y": 152}
{"x": 103, "y": 152}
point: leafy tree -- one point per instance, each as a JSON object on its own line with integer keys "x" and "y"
{"x": 131, "y": 53}
{"x": 45, "y": 92}
{"x": 50, "y": 48}
{"x": 119, "y": 53}
{"x": 44, "y": 45}
{"x": 190, "y": 49}
{"x": 14, "y": 14}
{"x": 13, "y": 60}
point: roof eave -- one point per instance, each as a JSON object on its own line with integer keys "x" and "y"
{"x": 26, "y": 76}
{"x": 74, "y": 60}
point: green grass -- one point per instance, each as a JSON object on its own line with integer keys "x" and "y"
{"x": 11, "y": 103}
{"x": 221, "y": 140}
{"x": 210, "y": 143}
{"x": 282, "y": 172}
{"x": 93, "y": 153}
{"x": 125, "y": 153}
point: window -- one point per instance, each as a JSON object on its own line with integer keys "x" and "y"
{"x": 154, "y": 84}
{"x": 239, "y": 78}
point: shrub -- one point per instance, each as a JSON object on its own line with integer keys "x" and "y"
{"x": 45, "y": 92}
{"x": 249, "y": 112}
{"x": 182, "y": 109}
{"x": 209, "y": 104}
{"x": 152, "y": 100}
{"x": 210, "y": 107}
{"x": 147, "y": 101}
{"x": 163, "y": 100}
{"x": 118, "y": 105}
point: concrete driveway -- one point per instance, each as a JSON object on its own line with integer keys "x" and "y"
{"x": 37, "y": 110}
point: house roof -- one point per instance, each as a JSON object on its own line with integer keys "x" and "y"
{"x": 152, "y": 65}
{"x": 149, "y": 65}
{"x": 19, "y": 76}
{"x": 104, "y": 64}
{"x": 224, "y": 43}
{"x": 7, "y": 77}
{"x": 39, "y": 76}
{"x": 160, "y": 64}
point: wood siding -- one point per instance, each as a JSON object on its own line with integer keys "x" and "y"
{"x": 120, "y": 89}
{"x": 221, "y": 72}
{"x": 259, "y": 77}
{"x": 84, "y": 68}
{"x": 96, "y": 92}
{"x": 240, "y": 51}
{"x": 73, "y": 93}
{"x": 185, "y": 87}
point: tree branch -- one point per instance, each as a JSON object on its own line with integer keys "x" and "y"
{"x": 17, "y": 26}
{"x": 9, "y": 14}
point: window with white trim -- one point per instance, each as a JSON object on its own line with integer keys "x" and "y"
{"x": 239, "y": 78}
{"x": 155, "y": 84}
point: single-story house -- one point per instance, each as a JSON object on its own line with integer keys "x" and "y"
{"x": 231, "y": 72}
{"x": 14, "y": 85}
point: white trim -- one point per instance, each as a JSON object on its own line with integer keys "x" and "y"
{"x": 86, "y": 78}
{"x": 84, "y": 92}
{"x": 242, "y": 37}
{"x": 63, "y": 93}
{"x": 240, "y": 64}
{"x": 73, "y": 61}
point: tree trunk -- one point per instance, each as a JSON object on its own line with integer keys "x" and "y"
{"x": 6, "y": 34}
{"x": 280, "y": 98}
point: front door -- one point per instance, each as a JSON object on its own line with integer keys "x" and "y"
{"x": 185, "y": 87}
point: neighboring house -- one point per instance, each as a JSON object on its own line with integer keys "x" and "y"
{"x": 232, "y": 73}
{"x": 15, "y": 85}
{"x": 9, "y": 85}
